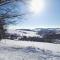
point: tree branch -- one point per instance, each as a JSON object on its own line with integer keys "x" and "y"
{"x": 10, "y": 1}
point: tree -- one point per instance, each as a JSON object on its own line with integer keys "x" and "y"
{"x": 9, "y": 12}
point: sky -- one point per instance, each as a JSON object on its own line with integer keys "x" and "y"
{"x": 44, "y": 14}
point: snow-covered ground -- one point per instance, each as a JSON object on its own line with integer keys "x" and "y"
{"x": 24, "y": 50}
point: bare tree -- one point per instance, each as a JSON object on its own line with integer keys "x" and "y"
{"x": 9, "y": 11}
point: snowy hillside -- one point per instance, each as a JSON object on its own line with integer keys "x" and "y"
{"x": 38, "y": 32}
{"x": 24, "y": 32}
{"x": 51, "y": 35}
{"x": 24, "y": 50}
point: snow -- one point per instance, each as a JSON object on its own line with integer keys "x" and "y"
{"x": 41, "y": 45}
{"x": 27, "y": 50}
{"x": 24, "y": 33}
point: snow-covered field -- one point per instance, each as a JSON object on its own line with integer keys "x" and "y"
{"x": 24, "y": 50}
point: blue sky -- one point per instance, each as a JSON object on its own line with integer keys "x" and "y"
{"x": 49, "y": 18}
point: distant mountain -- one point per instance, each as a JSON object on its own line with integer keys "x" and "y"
{"x": 38, "y": 31}
{"x": 24, "y": 32}
{"x": 48, "y": 30}
{"x": 38, "y": 34}
{"x": 26, "y": 29}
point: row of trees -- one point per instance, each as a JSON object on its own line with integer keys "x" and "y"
{"x": 47, "y": 38}
{"x": 37, "y": 39}
{"x": 9, "y": 11}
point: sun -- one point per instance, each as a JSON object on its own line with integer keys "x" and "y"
{"x": 36, "y": 6}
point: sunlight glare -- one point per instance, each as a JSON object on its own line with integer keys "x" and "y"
{"x": 37, "y": 6}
